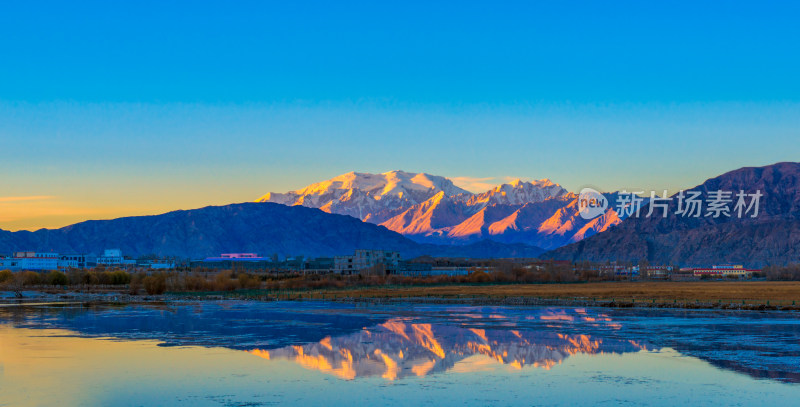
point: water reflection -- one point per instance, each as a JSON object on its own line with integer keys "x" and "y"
{"x": 399, "y": 341}
{"x": 399, "y": 348}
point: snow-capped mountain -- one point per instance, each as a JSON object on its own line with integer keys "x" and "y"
{"x": 519, "y": 193}
{"x": 431, "y": 209}
{"x": 361, "y": 194}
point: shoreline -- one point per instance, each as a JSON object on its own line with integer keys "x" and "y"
{"x": 578, "y": 303}
{"x": 94, "y": 299}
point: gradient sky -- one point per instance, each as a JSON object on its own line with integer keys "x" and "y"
{"x": 112, "y": 108}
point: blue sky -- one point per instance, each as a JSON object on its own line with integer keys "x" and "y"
{"x": 114, "y": 108}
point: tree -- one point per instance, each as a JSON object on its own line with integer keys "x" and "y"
{"x": 56, "y": 277}
{"x": 155, "y": 284}
{"x": 6, "y": 275}
{"x": 643, "y": 265}
{"x": 29, "y": 278}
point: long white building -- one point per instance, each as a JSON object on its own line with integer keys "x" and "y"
{"x": 31, "y": 261}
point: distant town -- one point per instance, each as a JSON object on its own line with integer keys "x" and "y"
{"x": 361, "y": 262}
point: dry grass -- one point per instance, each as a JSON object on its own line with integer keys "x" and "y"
{"x": 711, "y": 291}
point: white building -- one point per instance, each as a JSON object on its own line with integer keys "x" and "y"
{"x": 113, "y": 257}
{"x": 725, "y": 270}
{"x": 9, "y": 263}
{"x": 76, "y": 261}
{"x": 156, "y": 264}
{"x": 32, "y": 261}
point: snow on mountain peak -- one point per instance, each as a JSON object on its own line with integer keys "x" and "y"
{"x": 359, "y": 194}
{"x": 520, "y": 192}
{"x": 426, "y": 206}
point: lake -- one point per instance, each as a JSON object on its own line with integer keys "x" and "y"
{"x": 322, "y": 353}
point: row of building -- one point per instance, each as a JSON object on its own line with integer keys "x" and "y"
{"x": 723, "y": 270}
{"x": 669, "y": 272}
{"x": 365, "y": 262}
{"x": 379, "y": 262}
{"x": 45, "y": 261}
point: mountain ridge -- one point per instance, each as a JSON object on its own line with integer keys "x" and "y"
{"x": 441, "y": 213}
{"x": 771, "y": 238}
{"x": 264, "y": 228}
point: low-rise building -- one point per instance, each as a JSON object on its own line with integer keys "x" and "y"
{"x": 78, "y": 261}
{"x": 9, "y": 263}
{"x": 114, "y": 258}
{"x": 319, "y": 265}
{"x": 34, "y": 261}
{"x": 725, "y": 270}
{"x": 659, "y": 272}
{"x": 155, "y": 264}
{"x": 408, "y": 268}
{"x": 235, "y": 261}
{"x": 379, "y": 261}
{"x": 632, "y": 271}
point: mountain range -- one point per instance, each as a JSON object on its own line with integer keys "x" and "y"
{"x": 432, "y": 209}
{"x": 772, "y": 237}
{"x": 421, "y": 214}
{"x": 263, "y": 228}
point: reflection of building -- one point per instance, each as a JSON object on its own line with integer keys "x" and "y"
{"x": 398, "y": 349}
{"x": 368, "y": 261}
{"x": 113, "y": 257}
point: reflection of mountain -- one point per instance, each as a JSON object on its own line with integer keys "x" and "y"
{"x": 762, "y": 345}
{"x": 397, "y": 349}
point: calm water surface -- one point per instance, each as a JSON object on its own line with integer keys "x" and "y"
{"x": 301, "y": 353}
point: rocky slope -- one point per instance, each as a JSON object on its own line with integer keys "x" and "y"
{"x": 773, "y": 237}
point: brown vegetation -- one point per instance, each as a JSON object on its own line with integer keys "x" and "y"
{"x": 560, "y": 281}
{"x": 155, "y": 284}
{"x": 790, "y": 272}
{"x": 711, "y": 291}
{"x": 5, "y": 275}
{"x": 56, "y": 277}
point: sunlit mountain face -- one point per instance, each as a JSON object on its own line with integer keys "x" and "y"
{"x": 399, "y": 348}
{"x": 432, "y": 209}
